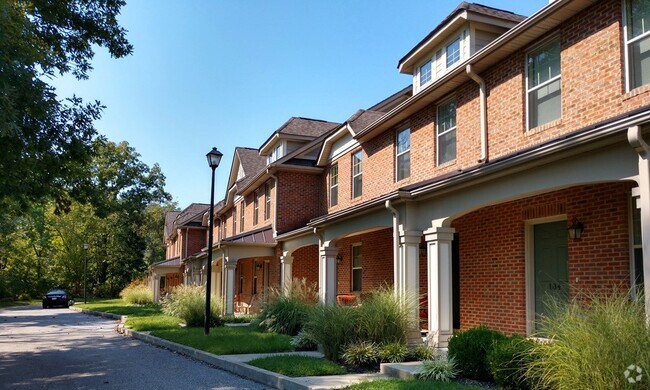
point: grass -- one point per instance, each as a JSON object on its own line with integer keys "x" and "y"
{"x": 19, "y": 303}
{"x": 411, "y": 384}
{"x": 297, "y": 365}
{"x": 228, "y": 340}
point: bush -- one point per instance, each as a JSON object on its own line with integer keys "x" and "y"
{"x": 420, "y": 353}
{"x": 303, "y": 341}
{"x": 137, "y": 293}
{"x": 392, "y": 353}
{"x": 188, "y": 303}
{"x": 440, "y": 368}
{"x": 469, "y": 349}
{"x": 286, "y": 314}
{"x": 385, "y": 318}
{"x": 508, "y": 360}
{"x": 332, "y": 327}
{"x": 594, "y": 341}
{"x": 361, "y": 353}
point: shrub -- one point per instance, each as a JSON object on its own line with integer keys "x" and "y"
{"x": 469, "y": 349}
{"x": 509, "y": 360}
{"x": 392, "y": 353}
{"x": 386, "y": 318}
{"x": 188, "y": 303}
{"x": 420, "y": 353}
{"x": 440, "y": 368}
{"x": 286, "y": 314}
{"x": 137, "y": 293}
{"x": 332, "y": 326}
{"x": 303, "y": 341}
{"x": 593, "y": 342}
{"x": 361, "y": 353}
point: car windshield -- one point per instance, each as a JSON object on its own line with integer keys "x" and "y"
{"x": 56, "y": 292}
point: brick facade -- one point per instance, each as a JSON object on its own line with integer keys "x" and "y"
{"x": 305, "y": 263}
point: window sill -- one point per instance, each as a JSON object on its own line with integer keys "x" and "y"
{"x": 636, "y": 92}
{"x": 447, "y": 164}
{"x": 545, "y": 126}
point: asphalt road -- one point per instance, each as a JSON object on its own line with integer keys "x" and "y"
{"x": 62, "y": 349}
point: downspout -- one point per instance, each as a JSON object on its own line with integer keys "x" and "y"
{"x": 275, "y": 203}
{"x": 396, "y": 269}
{"x": 483, "y": 103}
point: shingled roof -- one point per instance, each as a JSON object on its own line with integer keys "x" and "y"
{"x": 252, "y": 164}
{"x": 192, "y": 215}
{"x": 362, "y": 118}
{"x": 306, "y": 127}
{"x": 170, "y": 217}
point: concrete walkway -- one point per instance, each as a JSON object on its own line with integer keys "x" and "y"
{"x": 237, "y": 364}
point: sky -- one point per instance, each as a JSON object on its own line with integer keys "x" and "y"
{"x": 229, "y": 73}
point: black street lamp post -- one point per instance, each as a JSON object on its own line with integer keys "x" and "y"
{"x": 214, "y": 157}
{"x": 85, "y": 268}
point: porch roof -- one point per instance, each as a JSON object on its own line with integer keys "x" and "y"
{"x": 263, "y": 235}
{"x": 173, "y": 262}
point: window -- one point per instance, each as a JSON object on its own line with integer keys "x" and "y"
{"x": 446, "y": 132}
{"x": 637, "y": 248}
{"x": 453, "y": 52}
{"x": 637, "y": 41}
{"x": 425, "y": 73}
{"x": 224, "y": 230}
{"x": 403, "y": 153}
{"x": 267, "y": 200}
{"x": 254, "y": 278}
{"x": 162, "y": 282}
{"x": 242, "y": 210}
{"x": 275, "y": 154}
{"x": 256, "y": 207}
{"x": 544, "y": 84}
{"x": 356, "y": 268}
{"x": 357, "y": 174}
{"x": 234, "y": 220}
{"x": 241, "y": 280}
{"x": 334, "y": 185}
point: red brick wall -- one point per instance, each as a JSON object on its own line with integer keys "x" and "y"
{"x": 196, "y": 240}
{"x": 299, "y": 199}
{"x": 305, "y": 263}
{"x": 492, "y": 251}
{"x": 376, "y": 260}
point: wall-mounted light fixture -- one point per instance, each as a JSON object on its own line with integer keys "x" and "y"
{"x": 339, "y": 259}
{"x": 575, "y": 229}
{"x": 258, "y": 266}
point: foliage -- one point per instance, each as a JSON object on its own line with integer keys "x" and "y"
{"x": 332, "y": 326}
{"x": 411, "y": 384}
{"x": 392, "y": 353}
{"x": 385, "y": 318}
{"x": 361, "y": 353}
{"x": 420, "y": 352}
{"x": 287, "y": 313}
{"x": 303, "y": 341}
{"x": 469, "y": 349}
{"x": 298, "y": 366}
{"x": 440, "y": 369}
{"x": 45, "y": 142}
{"x": 137, "y": 293}
{"x": 594, "y": 340}
{"x": 231, "y": 319}
{"x": 188, "y": 303}
{"x": 509, "y": 360}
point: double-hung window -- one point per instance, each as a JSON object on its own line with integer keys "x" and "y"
{"x": 637, "y": 42}
{"x": 234, "y": 220}
{"x": 256, "y": 207}
{"x": 425, "y": 73}
{"x": 242, "y": 210}
{"x": 357, "y": 174}
{"x": 543, "y": 86}
{"x": 453, "y": 52}
{"x": 334, "y": 185}
{"x": 267, "y": 200}
{"x": 403, "y": 154}
{"x": 356, "y": 268}
{"x": 446, "y": 132}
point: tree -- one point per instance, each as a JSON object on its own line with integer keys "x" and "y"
{"x": 46, "y": 142}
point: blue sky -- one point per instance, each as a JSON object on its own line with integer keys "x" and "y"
{"x": 229, "y": 73}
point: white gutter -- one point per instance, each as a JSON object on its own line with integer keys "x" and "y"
{"x": 483, "y": 102}
{"x": 396, "y": 268}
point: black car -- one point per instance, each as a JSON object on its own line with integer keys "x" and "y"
{"x": 57, "y": 298}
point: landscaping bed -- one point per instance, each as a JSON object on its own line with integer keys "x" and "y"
{"x": 298, "y": 366}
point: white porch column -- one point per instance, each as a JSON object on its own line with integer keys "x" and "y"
{"x": 440, "y": 284}
{"x": 327, "y": 278}
{"x": 286, "y": 272}
{"x": 156, "y": 287}
{"x": 410, "y": 265}
{"x": 635, "y": 137}
{"x": 229, "y": 268}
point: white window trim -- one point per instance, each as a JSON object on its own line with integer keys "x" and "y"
{"x": 544, "y": 84}
{"x": 256, "y": 207}
{"x": 242, "y": 215}
{"x": 398, "y": 154}
{"x": 334, "y": 186}
{"x": 354, "y": 176}
{"x": 438, "y": 134}
{"x": 463, "y": 36}
{"x": 353, "y": 268}
{"x": 626, "y": 47}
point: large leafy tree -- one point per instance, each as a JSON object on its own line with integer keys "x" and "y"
{"x": 46, "y": 141}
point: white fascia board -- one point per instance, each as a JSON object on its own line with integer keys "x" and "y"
{"x": 323, "y": 156}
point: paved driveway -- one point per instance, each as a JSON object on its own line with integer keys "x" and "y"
{"x": 62, "y": 349}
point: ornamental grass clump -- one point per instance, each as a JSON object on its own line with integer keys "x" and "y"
{"x": 287, "y": 313}
{"x": 595, "y": 342}
{"x": 361, "y": 353}
{"x": 509, "y": 360}
{"x": 332, "y": 327}
{"x": 386, "y": 318}
{"x": 439, "y": 368}
{"x": 188, "y": 303}
{"x": 137, "y": 293}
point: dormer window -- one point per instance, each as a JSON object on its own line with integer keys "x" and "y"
{"x": 453, "y": 52}
{"x": 425, "y": 73}
{"x": 275, "y": 154}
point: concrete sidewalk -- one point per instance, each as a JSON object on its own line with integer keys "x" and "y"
{"x": 237, "y": 364}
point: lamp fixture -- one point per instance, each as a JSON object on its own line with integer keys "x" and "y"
{"x": 575, "y": 229}
{"x": 339, "y": 259}
{"x": 214, "y": 158}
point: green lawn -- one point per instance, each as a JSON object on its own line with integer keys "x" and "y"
{"x": 19, "y": 303}
{"x": 297, "y": 365}
{"x": 411, "y": 384}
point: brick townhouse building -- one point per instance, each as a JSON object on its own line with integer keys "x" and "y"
{"x": 185, "y": 235}
{"x": 513, "y": 169}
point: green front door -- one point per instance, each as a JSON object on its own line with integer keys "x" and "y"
{"x": 551, "y": 265}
